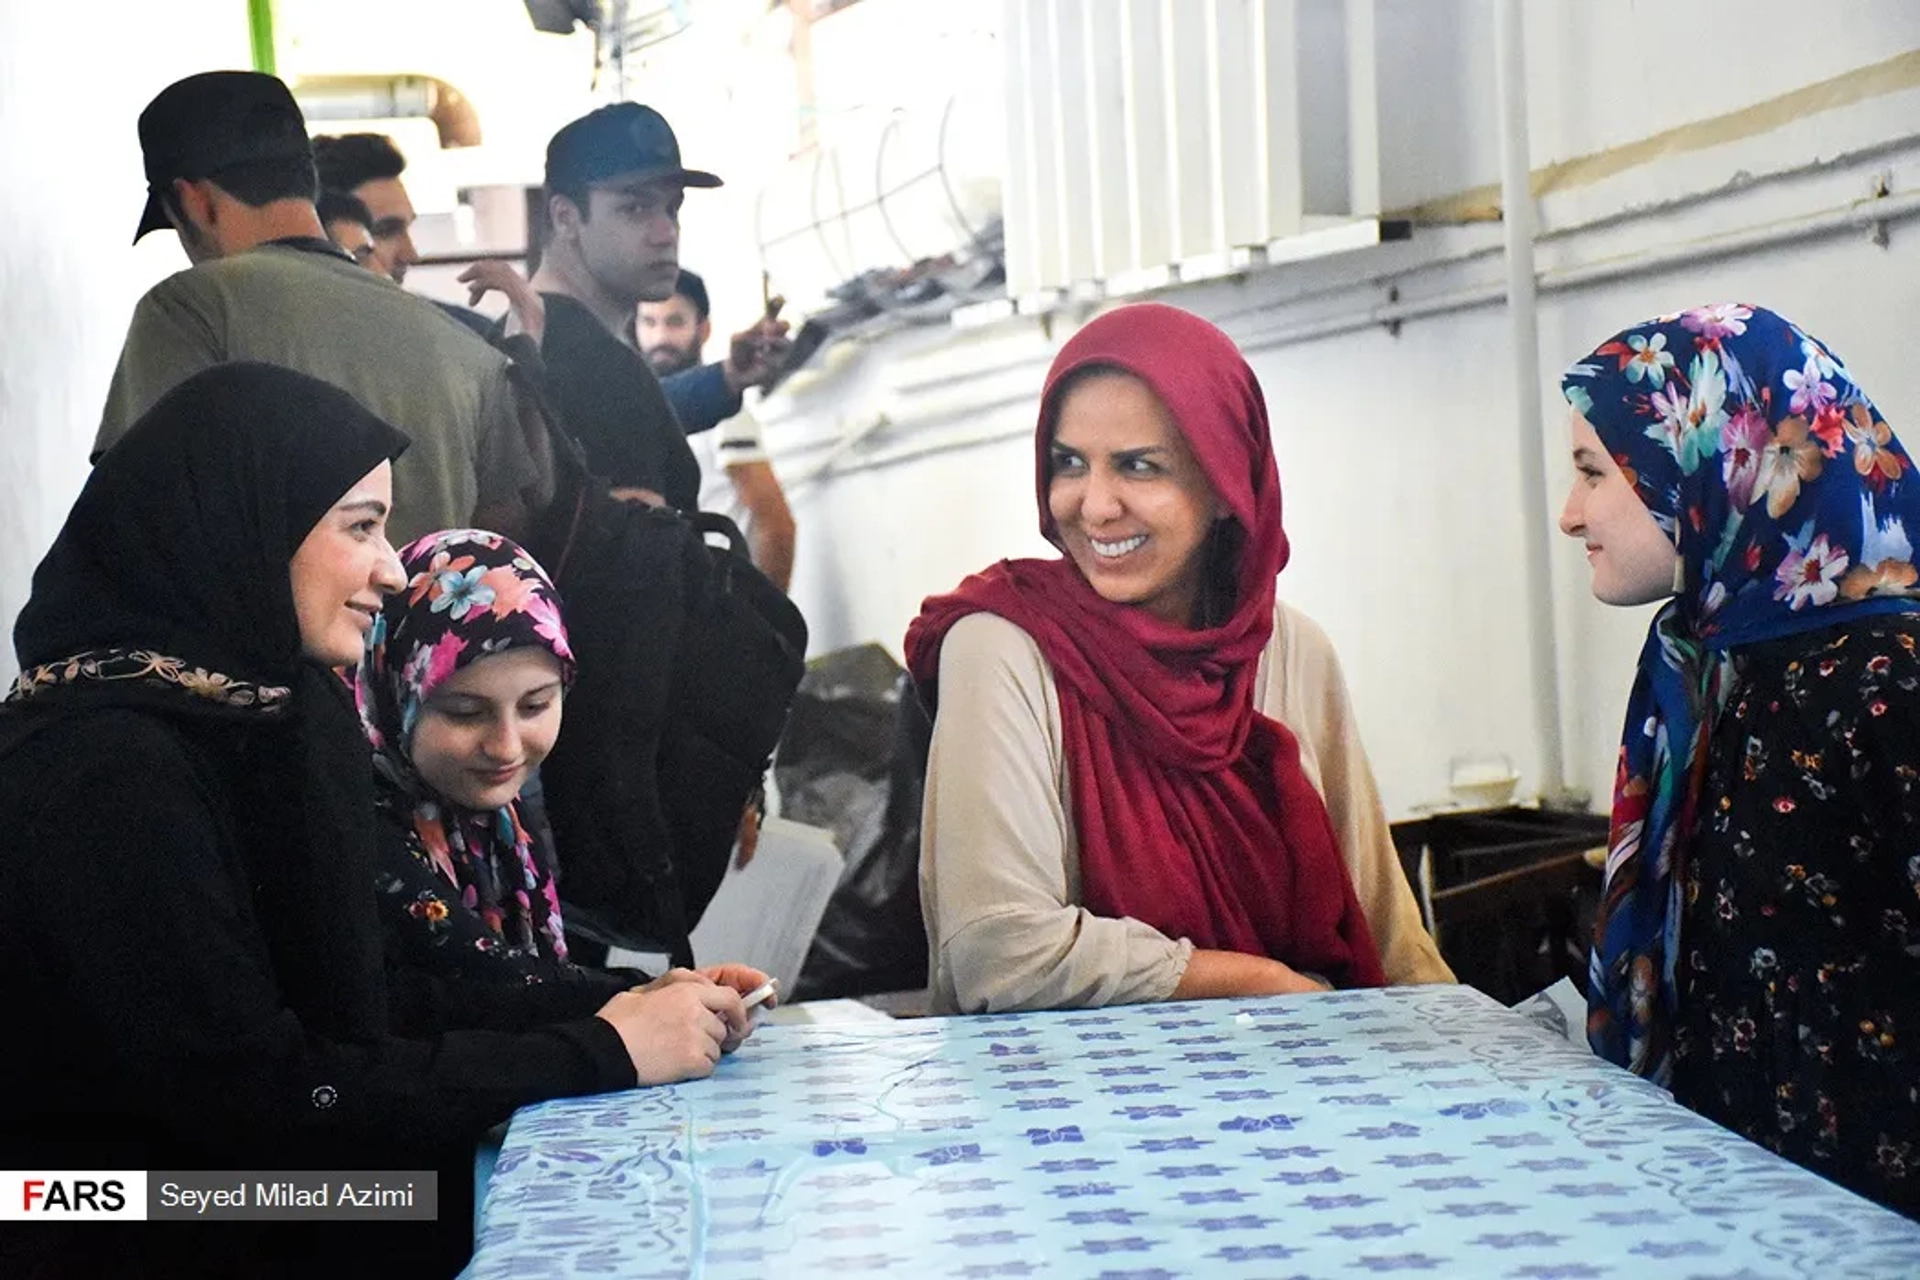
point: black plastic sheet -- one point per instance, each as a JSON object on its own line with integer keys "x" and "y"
{"x": 854, "y": 761}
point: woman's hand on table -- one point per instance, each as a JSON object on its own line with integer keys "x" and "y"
{"x": 1232, "y": 973}
{"x": 670, "y": 977}
{"x": 743, "y": 979}
{"x": 677, "y": 1026}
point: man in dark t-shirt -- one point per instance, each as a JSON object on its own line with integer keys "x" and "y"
{"x": 614, "y": 188}
{"x": 613, "y": 406}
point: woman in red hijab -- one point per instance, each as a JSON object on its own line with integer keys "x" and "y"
{"x": 1144, "y": 782}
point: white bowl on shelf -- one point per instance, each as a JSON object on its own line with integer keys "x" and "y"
{"x": 1483, "y": 792}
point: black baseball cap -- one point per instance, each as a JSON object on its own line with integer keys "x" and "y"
{"x": 213, "y": 121}
{"x": 625, "y": 139}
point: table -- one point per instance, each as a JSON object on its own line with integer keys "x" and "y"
{"x": 1417, "y": 1131}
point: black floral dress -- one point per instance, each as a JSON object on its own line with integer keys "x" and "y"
{"x": 1800, "y": 944}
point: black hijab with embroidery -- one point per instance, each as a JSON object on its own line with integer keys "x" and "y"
{"x": 169, "y": 589}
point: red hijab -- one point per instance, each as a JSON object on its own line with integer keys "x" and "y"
{"x": 1193, "y": 812}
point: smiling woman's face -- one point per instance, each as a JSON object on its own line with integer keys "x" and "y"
{"x": 1131, "y": 503}
{"x": 1631, "y": 558}
{"x": 342, "y": 569}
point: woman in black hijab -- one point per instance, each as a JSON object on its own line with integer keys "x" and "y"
{"x": 189, "y": 944}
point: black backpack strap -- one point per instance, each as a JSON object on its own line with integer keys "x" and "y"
{"x": 712, "y": 522}
{"x": 576, "y": 490}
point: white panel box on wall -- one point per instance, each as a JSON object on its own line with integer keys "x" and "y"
{"x": 1160, "y": 140}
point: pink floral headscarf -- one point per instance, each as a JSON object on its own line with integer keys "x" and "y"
{"x": 470, "y": 594}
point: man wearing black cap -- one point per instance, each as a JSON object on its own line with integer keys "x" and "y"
{"x": 230, "y": 169}
{"x": 245, "y": 129}
{"x": 614, "y": 188}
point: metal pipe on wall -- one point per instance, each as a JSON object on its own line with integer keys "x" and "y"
{"x": 337, "y": 98}
{"x": 1865, "y": 213}
{"x": 1855, "y": 216}
{"x": 1517, "y": 214}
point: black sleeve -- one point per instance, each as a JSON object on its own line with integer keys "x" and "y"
{"x": 426, "y": 1004}
{"x": 146, "y": 944}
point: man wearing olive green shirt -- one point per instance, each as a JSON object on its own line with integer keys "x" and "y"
{"x": 230, "y": 169}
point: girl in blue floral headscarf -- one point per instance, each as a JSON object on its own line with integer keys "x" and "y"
{"x": 460, "y": 693}
{"x": 1758, "y": 944}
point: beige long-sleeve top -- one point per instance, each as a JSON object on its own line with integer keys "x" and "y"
{"x": 999, "y": 857}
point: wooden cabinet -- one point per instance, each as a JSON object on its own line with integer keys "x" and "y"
{"x": 1509, "y": 893}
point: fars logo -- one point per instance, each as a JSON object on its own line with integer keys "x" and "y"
{"x": 43, "y": 1195}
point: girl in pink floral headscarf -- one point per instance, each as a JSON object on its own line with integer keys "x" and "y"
{"x": 460, "y": 694}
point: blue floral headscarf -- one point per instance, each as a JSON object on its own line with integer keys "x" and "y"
{"x": 1790, "y": 502}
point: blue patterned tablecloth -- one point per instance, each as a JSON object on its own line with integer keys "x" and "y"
{"x": 1416, "y": 1131}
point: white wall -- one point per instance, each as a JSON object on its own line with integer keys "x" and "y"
{"x": 72, "y": 83}
{"x": 1600, "y": 75}
{"x": 1397, "y": 452}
